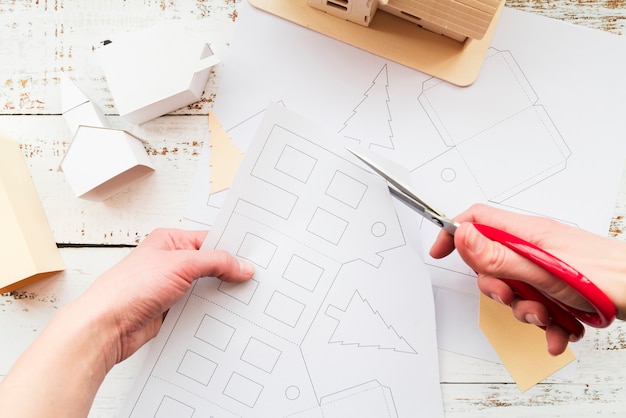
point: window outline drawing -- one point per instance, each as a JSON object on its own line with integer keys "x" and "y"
{"x": 283, "y": 157}
{"x": 156, "y": 414}
{"x": 339, "y": 198}
{"x": 255, "y": 363}
{"x": 234, "y": 396}
{"x": 276, "y": 306}
{"x": 268, "y": 245}
{"x": 225, "y": 288}
{"x": 320, "y": 221}
{"x": 225, "y": 347}
{"x": 304, "y": 260}
{"x": 208, "y": 360}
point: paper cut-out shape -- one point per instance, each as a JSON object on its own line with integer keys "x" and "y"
{"x": 225, "y": 157}
{"x": 27, "y": 248}
{"x": 99, "y": 162}
{"x": 542, "y": 152}
{"x": 361, "y": 325}
{"x": 156, "y": 71}
{"x": 528, "y": 363}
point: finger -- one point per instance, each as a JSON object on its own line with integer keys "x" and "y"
{"x": 213, "y": 263}
{"x": 557, "y": 339}
{"x": 530, "y": 312}
{"x": 174, "y": 239}
{"x": 512, "y": 222}
{"x": 493, "y": 259}
{"x": 535, "y": 313}
{"x": 496, "y": 289}
{"x": 195, "y": 239}
{"x": 443, "y": 245}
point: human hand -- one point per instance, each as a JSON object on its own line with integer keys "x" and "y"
{"x": 120, "y": 312}
{"x": 600, "y": 259}
{"x": 135, "y": 294}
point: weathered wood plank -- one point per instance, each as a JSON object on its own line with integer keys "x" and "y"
{"x": 607, "y": 15}
{"x": 544, "y": 400}
{"x": 46, "y": 37}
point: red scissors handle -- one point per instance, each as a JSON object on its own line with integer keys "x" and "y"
{"x": 565, "y": 316}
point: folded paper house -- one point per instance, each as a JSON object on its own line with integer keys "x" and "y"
{"x": 100, "y": 162}
{"x": 27, "y": 248}
{"x": 76, "y": 107}
{"x": 156, "y": 71}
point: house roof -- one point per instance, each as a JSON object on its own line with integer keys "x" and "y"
{"x": 470, "y": 18}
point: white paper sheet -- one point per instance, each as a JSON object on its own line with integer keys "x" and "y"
{"x": 540, "y": 131}
{"x": 321, "y": 330}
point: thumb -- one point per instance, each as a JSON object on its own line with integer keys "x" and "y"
{"x": 490, "y": 258}
{"x": 214, "y": 263}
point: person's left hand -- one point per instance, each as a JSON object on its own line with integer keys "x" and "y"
{"x": 135, "y": 294}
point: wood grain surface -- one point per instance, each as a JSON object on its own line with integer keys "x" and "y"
{"x": 39, "y": 39}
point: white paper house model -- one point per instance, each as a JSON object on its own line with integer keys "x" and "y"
{"x": 156, "y": 71}
{"x": 99, "y": 162}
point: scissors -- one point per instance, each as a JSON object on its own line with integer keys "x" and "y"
{"x": 565, "y": 316}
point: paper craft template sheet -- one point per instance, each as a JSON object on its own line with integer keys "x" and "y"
{"x": 539, "y": 132}
{"x": 338, "y": 319}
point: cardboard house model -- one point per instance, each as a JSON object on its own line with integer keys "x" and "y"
{"x": 456, "y": 19}
{"x": 100, "y": 161}
{"x": 155, "y": 71}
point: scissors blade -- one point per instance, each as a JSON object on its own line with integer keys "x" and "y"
{"x": 387, "y": 170}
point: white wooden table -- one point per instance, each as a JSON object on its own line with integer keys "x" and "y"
{"x": 39, "y": 39}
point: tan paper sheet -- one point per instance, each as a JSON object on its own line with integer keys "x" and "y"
{"x": 225, "y": 157}
{"x": 528, "y": 363}
{"x": 27, "y": 248}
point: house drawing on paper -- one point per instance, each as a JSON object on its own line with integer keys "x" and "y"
{"x": 515, "y": 135}
{"x": 267, "y": 344}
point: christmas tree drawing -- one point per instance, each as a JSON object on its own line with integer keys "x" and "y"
{"x": 360, "y": 325}
{"x": 365, "y": 128}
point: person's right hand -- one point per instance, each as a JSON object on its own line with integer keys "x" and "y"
{"x": 602, "y": 260}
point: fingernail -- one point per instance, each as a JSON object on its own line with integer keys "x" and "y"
{"x": 246, "y": 267}
{"x": 573, "y": 337}
{"x": 496, "y": 298}
{"x": 534, "y": 319}
{"x": 474, "y": 240}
